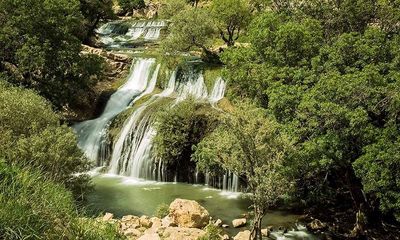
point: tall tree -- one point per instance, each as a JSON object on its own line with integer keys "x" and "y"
{"x": 231, "y": 16}
{"x": 251, "y": 145}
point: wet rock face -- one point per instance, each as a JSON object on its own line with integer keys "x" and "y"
{"x": 187, "y": 213}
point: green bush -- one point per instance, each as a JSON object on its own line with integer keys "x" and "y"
{"x": 32, "y": 207}
{"x": 30, "y": 135}
{"x": 212, "y": 233}
{"x": 162, "y": 210}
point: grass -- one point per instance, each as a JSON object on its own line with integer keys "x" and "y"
{"x": 32, "y": 207}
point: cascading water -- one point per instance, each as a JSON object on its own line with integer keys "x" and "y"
{"x": 117, "y": 33}
{"x": 93, "y": 133}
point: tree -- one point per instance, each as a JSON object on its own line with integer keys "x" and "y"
{"x": 191, "y": 29}
{"x": 251, "y": 145}
{"x": 170, "y": 8}
{"x": 40, "y": 48}
{"x": 178, "y": 130}
{"x": 93, "y": 11}
{"x": 231, "y": 16}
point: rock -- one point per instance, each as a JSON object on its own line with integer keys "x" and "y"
{"x": 145, "y": 222}
{"x": 239, "y": 222}
{"x": 108, "y": 216}
{"x": 316, "y": 225}
{"x": 188, "y": 213}
{"x": 265, "y": 232}
{"x": 153, "y": 236}
{"x": 225, "y": 237}
{"x": 218, "y": 223}
{"x": 225, "y": 225}
{"x": 245, "y": 235}
{"x": 167, "y": 222}
{"x": 132, "y": 233}
{"x": 177, "y": 233}
{"x": 156, "y": 222}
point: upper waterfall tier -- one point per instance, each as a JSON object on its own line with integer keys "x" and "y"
{"x": 120, "y": 33}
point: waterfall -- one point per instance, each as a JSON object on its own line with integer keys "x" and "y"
{"x": 112, "y": 34}
{"x": 218, "y": 91}
{"x": 131, "y": 152}
{"x": 93, "y": 133}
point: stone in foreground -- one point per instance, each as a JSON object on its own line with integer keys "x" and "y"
{"x": 239, "y": 222}
{"x": 188, "y": 213}
{"x": 245, "y": 235}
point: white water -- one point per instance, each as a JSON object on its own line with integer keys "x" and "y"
{"x": 218, "y": 91}
{"x": 112, "y": 33}
{"x": 92, "y": 133}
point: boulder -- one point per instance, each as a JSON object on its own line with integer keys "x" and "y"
{"x": 265, "y": 232}
{"x": 108, "y": 216}
{"x": 239, "y": 222}
{"x": 177, "y": 233}
{"x": 167, "y": 222}
{"x": 145, "y": 222}
{"x": 188, "y": 213}
{"x": 245, "y": 235}
{"x": 225, "y": 237}
{"x": 132, "y": 233}
{"x": 152, "y": 236}
{"x": 218, "y": 223}
{"x": 316, "y": 225}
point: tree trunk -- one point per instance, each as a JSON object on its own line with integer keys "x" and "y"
{"x": 257, "y": 224}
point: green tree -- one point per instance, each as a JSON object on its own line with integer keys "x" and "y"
{"x": 191, "y": 29}
{"x": 251, "y": 145}
{"x": 170, "y": 8}
{"x": 40, "y": 48}
{"x": 93, "y": 11}
{"x": 232, "y": 16}
{"x": 179, "y": 129}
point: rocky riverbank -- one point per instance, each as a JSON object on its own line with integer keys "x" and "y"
{"x": 188, "y": 220}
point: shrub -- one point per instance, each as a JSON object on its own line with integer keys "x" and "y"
{"x": 162, "y": 210}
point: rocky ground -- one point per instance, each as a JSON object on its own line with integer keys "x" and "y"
{"x": 186, "y": 221}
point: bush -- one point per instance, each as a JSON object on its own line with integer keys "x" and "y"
{"x": 212, "y": 233}
{"x": 30, "y": 135}
{"x": 162, "y": 210}
{"x": 32, "y": 207}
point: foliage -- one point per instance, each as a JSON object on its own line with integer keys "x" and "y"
{"x": 231, "y": 16}
{"x": 170, "y": 8}
{"x": 212, "y": 232}
{"x": 40, "y": 48}
{"x": 251, "y": 145}
{"x": 191, "y": 29}
{"x": 179, "y": 128}
{"x": 93, "y": 11}
{"x": 162, "y": 210}
{"x": 31, "y": 136}
{"x": 329, "y": 74}
{"x": 130, "y": 5}
{"x": 32, "y": 207}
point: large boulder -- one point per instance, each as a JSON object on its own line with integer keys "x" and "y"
{"x": 188, "y": 213}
